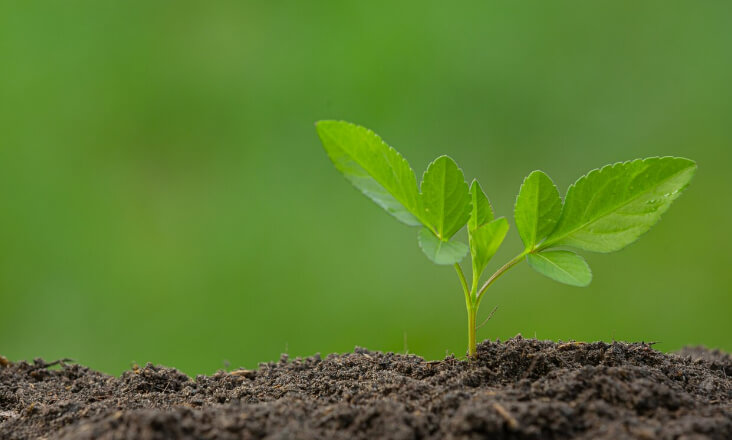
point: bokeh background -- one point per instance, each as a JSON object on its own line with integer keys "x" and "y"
{"x": 164, "y": 196}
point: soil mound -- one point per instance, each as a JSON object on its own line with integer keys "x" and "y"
{"x": 518, "y": 389}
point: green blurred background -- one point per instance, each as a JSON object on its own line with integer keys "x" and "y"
{"x": 164, "y": 196}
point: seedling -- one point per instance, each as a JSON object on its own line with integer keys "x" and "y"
{"x": 604, "y": 211}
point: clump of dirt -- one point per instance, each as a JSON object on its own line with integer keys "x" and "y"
{"x": 519, "y": 389}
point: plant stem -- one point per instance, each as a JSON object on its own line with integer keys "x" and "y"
{"x": 472, "y": 312}
{"x": 473, "y": 298}
{"x": 470, "y": 307}
{"x": 517, "y": 259}
{"x": 464, "y": 284}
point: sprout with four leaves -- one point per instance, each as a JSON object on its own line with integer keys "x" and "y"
{"x": 603, "y": 211}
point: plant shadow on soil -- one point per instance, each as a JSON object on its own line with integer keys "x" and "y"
{"x": 518, "y": 389}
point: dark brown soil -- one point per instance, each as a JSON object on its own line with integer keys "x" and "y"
{"x": 522, "y": 388}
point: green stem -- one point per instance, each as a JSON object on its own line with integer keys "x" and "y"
{"x": 517, "y": 259}
{"x": 472, "y": 312}
{"x": 476, "y": 279}
{"x": 469, "y": 307}
{"x": 464, "y": 283}
{"x": 473, "y": 298}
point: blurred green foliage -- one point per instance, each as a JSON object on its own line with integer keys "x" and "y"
{"x": 164, "y": 196}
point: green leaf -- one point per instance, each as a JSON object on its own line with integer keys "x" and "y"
{"x": 537, "y": 209}
{"x": 610, "y": 208}
{"x": 376, "y": 169}
{"x": 445, "y": 198}
{"x": 441, "y": 252}
{"x": 563, "y": 266}
{"x": 482, "y": 211}
{"x": 484, "y": 242}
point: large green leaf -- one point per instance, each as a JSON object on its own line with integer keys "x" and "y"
{"x": 537, "y": 209}
{"x": 484, "y": 242}
{"x": 563, "y": 266}
{"x": 482, "y": 211}
{"x": 439, "y": 251}
{"x": 445, "y": 198}
{"x": 373, "y": 167}
{"x": 610, "y": 208}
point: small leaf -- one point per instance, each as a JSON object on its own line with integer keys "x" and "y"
{"x": 484, "y": 242}
{"x": 610, "y": 208}
{"x": 445, "y": 198}
{"x": 441, "y": 252}
{"x": 537, "y": 209}
{"x": 482, "y": 211}
{"x": 376, "y": 169}
{"x": 563, "y": 266}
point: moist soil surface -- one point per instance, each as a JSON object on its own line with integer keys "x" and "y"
{"x": 518, "y": 389}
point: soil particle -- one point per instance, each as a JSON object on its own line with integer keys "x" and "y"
{"x": 519, "y": 389}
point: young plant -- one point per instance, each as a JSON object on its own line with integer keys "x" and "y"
{"x": 603, "y": 211}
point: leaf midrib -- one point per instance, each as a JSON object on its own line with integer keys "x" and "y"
{"x": 442, "y": 202}
{"x": 535, "y": 229}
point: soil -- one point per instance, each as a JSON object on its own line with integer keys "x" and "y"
{"x": 518, "y": 389}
